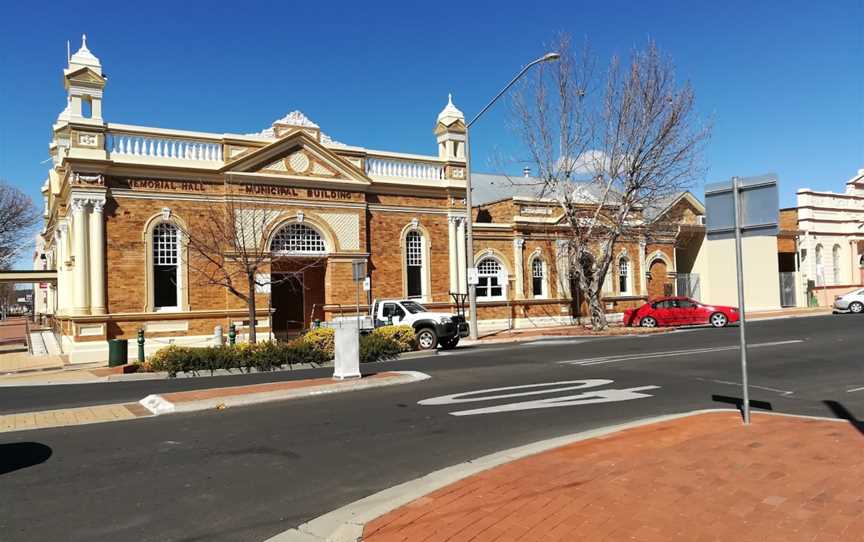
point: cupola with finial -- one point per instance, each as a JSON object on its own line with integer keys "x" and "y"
{"x": 450, "y": 131}
{"x": 84, "y": 83}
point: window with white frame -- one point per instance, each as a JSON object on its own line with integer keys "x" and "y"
{"x": 414, "y": 264}
{"x": 538, "y": 278}
{"x": 166, "y": 263}
{"x": 835, "y": 265}
{"x": 623, "y": 275}
{"x": 296, "y": 238}
{"x": 489, "y": 276}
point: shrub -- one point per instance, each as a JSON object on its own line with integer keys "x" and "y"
{"x": 322, "y": 339}
{"x": 375, "y": 347}
{"x": 403, "y": 336}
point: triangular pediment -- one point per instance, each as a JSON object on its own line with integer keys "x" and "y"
{"x": 85, "y": 75}
{"x": 297, "y": 154}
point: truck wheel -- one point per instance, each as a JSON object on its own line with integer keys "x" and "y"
{"x": 450, "y": 344}
{"x": 427, "y": 339}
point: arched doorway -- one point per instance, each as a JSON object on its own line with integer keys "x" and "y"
{"x": 658, "y": 279}
{"x": 297, "y": 278}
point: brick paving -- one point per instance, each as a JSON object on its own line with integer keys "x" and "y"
{"x": 13, "y": 330}
{"x": 700, "y": 478}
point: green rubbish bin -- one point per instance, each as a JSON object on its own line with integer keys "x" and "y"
{"x": 118, "y": 352}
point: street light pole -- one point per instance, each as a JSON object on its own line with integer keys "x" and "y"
{"x": 469, "y": 224}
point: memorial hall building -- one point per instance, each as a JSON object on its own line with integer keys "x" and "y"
{"x": 121, "y": 202}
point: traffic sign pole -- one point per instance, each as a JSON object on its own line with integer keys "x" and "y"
{"x": 742, "y": 319}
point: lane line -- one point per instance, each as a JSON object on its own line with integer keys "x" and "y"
{"x": 855, "y": 389}
{"x": 671, "y": 353}
{"x": 766, "y": 388}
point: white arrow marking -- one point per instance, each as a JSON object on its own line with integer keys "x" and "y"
{"x": 587, "y": 398}
{"x": 466, "y": 397}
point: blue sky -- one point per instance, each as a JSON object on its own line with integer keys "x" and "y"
{"x": 783, "y": 80}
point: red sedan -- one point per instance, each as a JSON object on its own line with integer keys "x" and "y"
{"x": 679, "y": 311}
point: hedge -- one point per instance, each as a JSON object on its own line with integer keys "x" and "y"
{"x": 315, "y": 347}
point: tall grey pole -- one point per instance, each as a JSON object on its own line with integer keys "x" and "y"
{"x": 739, "y": 267}
{"x": 469, "y": 224}
{"x": 469, "y": 249}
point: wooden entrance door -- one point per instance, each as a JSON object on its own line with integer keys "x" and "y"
{"x": 288, "y": 302}
{"x": 657, "y": 279}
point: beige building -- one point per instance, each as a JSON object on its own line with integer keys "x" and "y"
{"x": 831, "y": 244}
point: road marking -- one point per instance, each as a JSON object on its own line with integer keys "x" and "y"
{"x": 586, "y": 398}
{"x": 855, "y": 389}
{"x": 671, "y": 353}
{"x": 766, "y": 388}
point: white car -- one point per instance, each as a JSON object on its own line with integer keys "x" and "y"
{"x": 852, "y": 302}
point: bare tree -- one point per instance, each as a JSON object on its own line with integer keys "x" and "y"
{"x": 607, "y": 146}
{"x": 17, "y": 216}
{"x": 228, "y": 248}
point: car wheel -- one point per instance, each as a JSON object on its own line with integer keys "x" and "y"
{"x": 718, "y": 319}
{"x": 648, "y": 321}
{"x": 427, "y": 339}
{"x": 857, "y": 307}
{"x": 450, "y": 344}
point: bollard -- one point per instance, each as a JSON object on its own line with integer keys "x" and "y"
{"x": 140, "y": 346}
{"x": 232, "y": 334}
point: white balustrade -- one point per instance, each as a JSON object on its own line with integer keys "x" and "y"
{"x": 403, "y": 169}
{"x": 163, "y": 147}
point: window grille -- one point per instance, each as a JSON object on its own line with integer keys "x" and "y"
{"x": 414, "y": 246}
{"x": 165, "y": 249}
{"x": 298, "y": 239}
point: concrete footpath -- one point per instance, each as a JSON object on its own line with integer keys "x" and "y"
{"x": 699, "y": 477}
{"x": 204, "y": 399}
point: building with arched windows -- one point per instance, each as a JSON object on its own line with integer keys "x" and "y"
{"x": 126, "y": 206}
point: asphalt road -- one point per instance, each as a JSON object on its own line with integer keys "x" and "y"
{"x": 249, "y": 473}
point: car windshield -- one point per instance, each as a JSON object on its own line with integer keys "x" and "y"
{"x": 413, "y": 307}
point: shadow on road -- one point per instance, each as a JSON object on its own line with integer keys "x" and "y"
{"x": 843, "y": 413}
{"x": 20, "y": 455}
{"x": 739, "y": 403}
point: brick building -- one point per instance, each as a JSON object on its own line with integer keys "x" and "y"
{"x": 122, "y": 202}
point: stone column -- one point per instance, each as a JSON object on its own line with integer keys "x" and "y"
{"x": 562, "y": 264}
{"x": 518, "y": 245}
{"x": 453, "y": 253}
{"x": 97, "y": 259}
{"x": 58, "y": 265}
{"x": 81, "y": 253}
{"x": 642, "y": 269}
{"x": 461, "y": 261}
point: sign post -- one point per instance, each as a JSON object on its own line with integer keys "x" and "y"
{"x": 744, "y": 207}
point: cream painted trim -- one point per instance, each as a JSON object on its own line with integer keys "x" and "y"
{"x": 144, "y": 130}
{"x": 658, "y": 255}
{"x": 537, "y": 254}
{"x": 134, "y": 194}
{"x": 166, "y": 326}
{"x": 89, "y": 330}
{"x": 183, "y": 267}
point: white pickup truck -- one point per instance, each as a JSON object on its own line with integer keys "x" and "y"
{"x": 431, "y": 328}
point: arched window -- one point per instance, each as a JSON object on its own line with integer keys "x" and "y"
{"x": 414, "y": 263}
{"x": 835, "y": 265}
{"x": 538, "y": 278}
{"x": 623, "y": 275}
{"x": 296, "y": 238}
{"x": 820, "y": 269}
{"x": 489, "y": 275}
{"x": 166, "y": 263}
